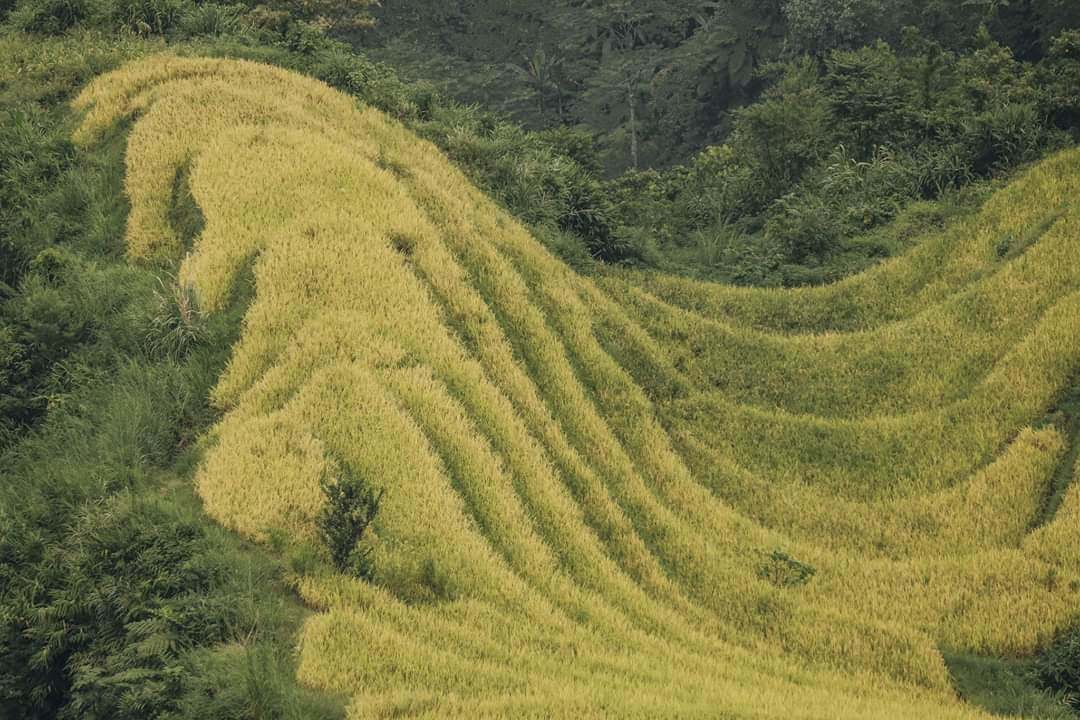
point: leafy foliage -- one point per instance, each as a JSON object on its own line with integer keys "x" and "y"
{"x": 1004, "y": 687}
{"x": 50, "y": 17}
{"x": 118, "y": 597}
{"x": 97, "y": 628}
{"x": 782, "y": 570}
{"x": 837, "y": 147}
{"x": 178, "y": 325}
{"x": 351, "y": 506}
{"x": 1058, "y": 667}
{"x": 650, "y": 76}
{"x": 33, "y": 153}
{"x": 667, "y": 76}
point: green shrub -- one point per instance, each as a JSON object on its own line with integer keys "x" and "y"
{"x": 96, "y": 619}
{"x": 627, "y": 245}
{"x": 44, "y": 324}
{"x": 576, "y": 143}
{"x": 786, "y": 132}
{"x": 436, "y": 581}
{"x": 211, "y": 19}
{"x": 305, "y": 38}
{"x": 1058, "y": 667}
{"x": 146, "y": 17}
{"x": 34, "y": 152}
{"x": 870, "y": 97}
{"x": 1005, "y": 687}
{"x": 805, "y": 226}
{"x": 50, "y": 17}
{"x": 817, "y": 26}
{"x": 782, "y": 570}
{"x": 254, "y": 682}
{"x": 351, "y": 505}
{"x": 738, "y": 258}
{"x": 1059, "y": 82}
{"x": 178, "y": 325}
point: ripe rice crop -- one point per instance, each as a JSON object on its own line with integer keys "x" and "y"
{"x": 639, "y": 496}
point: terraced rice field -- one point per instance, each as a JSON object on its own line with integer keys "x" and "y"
{"x": 634, "y": 496}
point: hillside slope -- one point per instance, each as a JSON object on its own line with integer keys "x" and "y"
{"x": 639, "y": 496}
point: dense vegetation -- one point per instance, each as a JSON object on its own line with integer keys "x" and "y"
{"x": 827, "y": 118}
{"x": 119, "y": 598}
{"x": 670, "y": 74}
{"x": 838, "y": 147}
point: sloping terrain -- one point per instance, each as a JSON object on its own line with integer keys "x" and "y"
{"x": 638, "y": 496}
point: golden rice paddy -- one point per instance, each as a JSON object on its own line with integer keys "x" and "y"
{"x": 634, "y": 496}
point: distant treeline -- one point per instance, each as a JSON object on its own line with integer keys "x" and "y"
{"x": 659, "y": 79}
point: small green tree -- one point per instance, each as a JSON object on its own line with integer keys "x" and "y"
{"x": 351, "y": 506}
{"x": 784, "y": 571}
